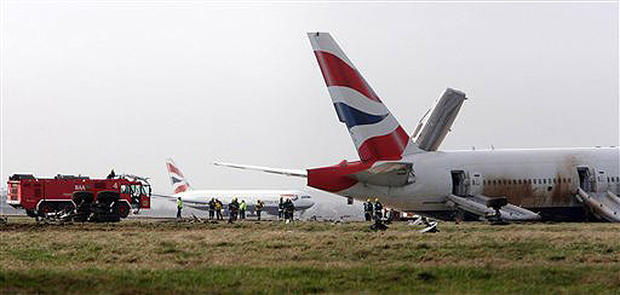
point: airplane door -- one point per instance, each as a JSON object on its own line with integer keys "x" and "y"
{"x": 586, "y": 179}
{"x": 601, "y": 181}
{"x": 460, "y": 183}
{"x": 475, "y": 187}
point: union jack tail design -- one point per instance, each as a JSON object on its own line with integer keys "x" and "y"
{"x": 374, "y": 130}
{"x": 179, "y": 183}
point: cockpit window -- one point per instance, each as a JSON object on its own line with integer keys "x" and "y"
{"x": 305, "y": 197}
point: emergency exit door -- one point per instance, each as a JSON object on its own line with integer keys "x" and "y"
{"x": 460, "y": 183}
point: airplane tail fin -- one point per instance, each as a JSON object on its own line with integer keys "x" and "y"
{"x": 178, "y": 181}
{"x": 377, "y": 135}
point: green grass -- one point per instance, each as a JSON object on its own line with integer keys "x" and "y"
{"x": 162, "y": 257}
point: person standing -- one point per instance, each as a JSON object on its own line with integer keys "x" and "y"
{"x": 179, "y": 207}
{"x": 218, "y": 209}
{"x": 233, "y": 208}
{"x": 259, "y": 208}
{"x": 289, "y": 208}
{"x": 280, "y": 208}
{"x": 368, "y": 209}
{"x": 242, "y": 207}
{"x": 211, "y": 208}
{"x": 378, "y": 209}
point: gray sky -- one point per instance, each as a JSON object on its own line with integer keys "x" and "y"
{"x": 89, "y": 86}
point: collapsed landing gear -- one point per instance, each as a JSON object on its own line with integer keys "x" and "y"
{"x": 496, "y": 204}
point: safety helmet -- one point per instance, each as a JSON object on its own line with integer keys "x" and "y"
{"x": 376, "y": 199}
{"x": 368, "y": 200}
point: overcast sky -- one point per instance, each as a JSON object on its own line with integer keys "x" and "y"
{"x": 87, "y": 86}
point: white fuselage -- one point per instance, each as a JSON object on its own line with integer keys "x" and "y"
{"x": 531, "y": 178}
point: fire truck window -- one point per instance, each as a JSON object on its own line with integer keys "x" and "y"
{"x": 135, "y": 189}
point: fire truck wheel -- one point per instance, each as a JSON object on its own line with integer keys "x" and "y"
{"x": 45, "y": 208}
{"x": 31, "y": 213}
{"x": 123, "y": 210}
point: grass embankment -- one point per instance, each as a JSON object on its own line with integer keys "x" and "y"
{"x": 145, "y": 257}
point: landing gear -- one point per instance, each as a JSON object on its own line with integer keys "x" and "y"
{"x": 496, "y": 204}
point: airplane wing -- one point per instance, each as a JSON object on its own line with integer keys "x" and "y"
{"x": 191, "y": 203}
{"x": 287, "y": 172}
{"x": 382, "y": 173}
{"x": 164, "y": 196}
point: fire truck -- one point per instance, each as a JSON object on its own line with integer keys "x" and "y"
{"x": 79, "y": 198}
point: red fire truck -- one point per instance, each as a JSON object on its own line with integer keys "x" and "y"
{"x": 79, "y": 197}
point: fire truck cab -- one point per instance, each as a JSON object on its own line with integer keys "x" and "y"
{"x": 80, "y": 197}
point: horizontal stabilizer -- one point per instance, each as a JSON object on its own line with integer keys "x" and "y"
{"x": 391, "y": 174}
{"x": 287, "y": 172}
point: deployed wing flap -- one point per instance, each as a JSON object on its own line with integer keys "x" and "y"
{"x": 433, "y": 128}
{"x": 392, "y": 174}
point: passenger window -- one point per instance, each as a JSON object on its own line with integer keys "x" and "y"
{"x": 544, "y": 181}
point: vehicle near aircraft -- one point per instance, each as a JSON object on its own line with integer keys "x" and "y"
{"x": 199, "y": 199}
{"x": 79, "y": 198}
{"x": 411, "y": 174}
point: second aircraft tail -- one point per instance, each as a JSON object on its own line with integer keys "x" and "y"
{"x": 178, "y": 181}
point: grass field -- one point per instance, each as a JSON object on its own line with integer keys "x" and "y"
{"x": 154, "y": 256}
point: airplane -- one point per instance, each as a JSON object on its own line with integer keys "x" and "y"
{"x": 199, "y": 199}
{"x": 410, "y": 174}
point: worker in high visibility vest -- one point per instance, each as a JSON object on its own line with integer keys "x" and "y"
{"x": 179, "y": 207}
{"x": 242, "y": 207}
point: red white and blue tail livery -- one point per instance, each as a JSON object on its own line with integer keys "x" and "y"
{"x": 559, "y": 184}
{"x": 374, "y": 130}
{"x": 179, "y": 183}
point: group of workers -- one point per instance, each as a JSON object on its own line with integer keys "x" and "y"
{"x": 286, "y": 209}
{"x": 373, "y": 211}
{"x": 236, "y": 210}
{"x": 215, "y": 209}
